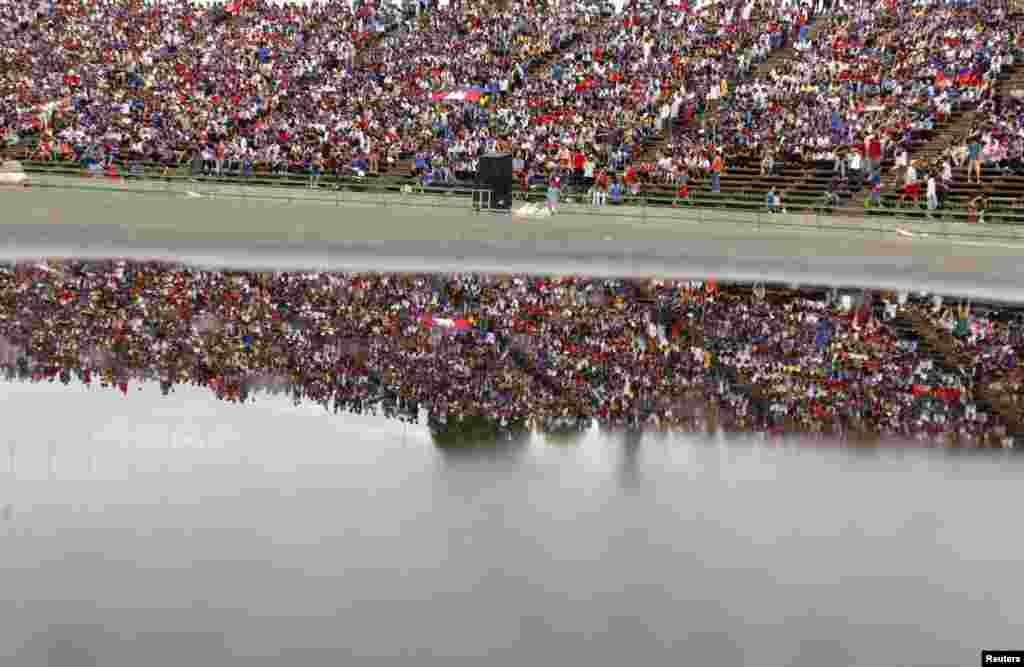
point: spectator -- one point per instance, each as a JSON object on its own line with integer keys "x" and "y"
{"x": 933, "y": 195}
{"x": 974, "y": 159}
{"x": 600, "y": 197}
{"x": 716, "y": 173}
{"x": 683, "y": 190}
{"x": 554, "y": 193}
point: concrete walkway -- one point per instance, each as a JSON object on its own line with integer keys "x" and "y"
{"x": 267, "y": 227}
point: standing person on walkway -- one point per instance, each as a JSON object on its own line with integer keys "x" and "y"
{"x": 933, "y": 193}
{"x": 601, "y": 189}
{"x": 716, "y": 172}
{"x": 554, "y": 192}
{"x": 316, "y": 167}
{"x": 220, "y": 155}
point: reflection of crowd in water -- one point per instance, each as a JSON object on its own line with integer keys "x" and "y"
{"x": 550, "y": 351}
{"x": 988, "y": 340}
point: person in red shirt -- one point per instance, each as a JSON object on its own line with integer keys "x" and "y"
{"x": 220, "y": 154}
{"x": 578, "y": 160}
{"x": 630, "y": 177}
{"x": 600, "y": 197}
{"x": 683, "y": 193}
{"x": 873, "y": 148}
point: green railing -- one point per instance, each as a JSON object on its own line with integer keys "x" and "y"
{"x": 701, "y": 207}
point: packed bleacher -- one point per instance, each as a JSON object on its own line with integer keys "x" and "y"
{"x": 114, "y": 82}
{"x": 655, "y": 353}
{"x": 873, "y": 80}
{"x": 665, "y": 96}
{"x": 325, "y": 87}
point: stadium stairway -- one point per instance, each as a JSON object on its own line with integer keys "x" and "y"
{"x": 745, "y": 179}
{"x": 942, "y": 137}
{"x": 940, "y": 342}
{"x": 939, "y": 140}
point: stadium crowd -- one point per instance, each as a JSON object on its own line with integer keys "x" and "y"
{"x": 356, "y": 88}
{"x": 659, "y": 353}
{"x": 869, "y": 82}
{"x": 299, "y": 86}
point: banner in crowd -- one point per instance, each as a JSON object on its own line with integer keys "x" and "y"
{"x": 460, "y": 95}
{"x": 444, "y": 323}
{"x": 948, "y": 394}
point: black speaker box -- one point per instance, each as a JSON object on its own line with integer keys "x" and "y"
{"x": 494, "y": 173}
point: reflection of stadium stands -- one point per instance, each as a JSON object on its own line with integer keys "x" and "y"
{"x": 504, "y": 353}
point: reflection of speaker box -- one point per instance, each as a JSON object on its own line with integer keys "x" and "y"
{"x": 494, "y": 173}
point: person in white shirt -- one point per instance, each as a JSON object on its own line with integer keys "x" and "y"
{"x": 855, "y": 161}
{"x": 933, "y": 193}
{"x": 959, "y": 154}
{"x": 665, "y": 168}
{"x": 910, "y": 175}
{"x": 901, "y": 159}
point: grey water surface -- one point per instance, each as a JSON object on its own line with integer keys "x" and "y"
{"x": 155, "y": 531}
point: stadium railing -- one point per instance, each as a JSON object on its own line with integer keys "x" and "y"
{"x": 701, "y": 206}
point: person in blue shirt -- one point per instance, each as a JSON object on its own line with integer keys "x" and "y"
{"x": 974, "y": 158}
{"x": 315, "y": 166}
{"x": 616, "y": 192}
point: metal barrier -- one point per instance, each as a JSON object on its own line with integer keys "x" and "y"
{"x": 700, "y": 210}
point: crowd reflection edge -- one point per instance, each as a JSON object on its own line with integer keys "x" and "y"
{"x": 485, "y": 360}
